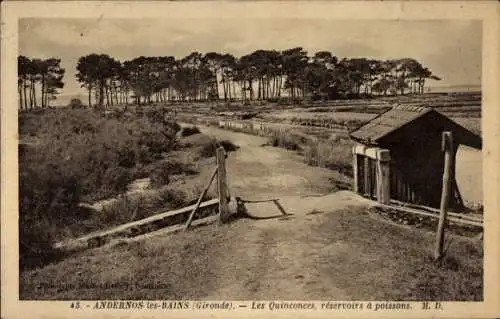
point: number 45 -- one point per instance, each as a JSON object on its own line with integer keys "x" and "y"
{"x": 75, "y": 305}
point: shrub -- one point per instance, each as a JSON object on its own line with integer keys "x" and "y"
{"x": 76, "y": 103}
{"x": 284, "y": 141}
{"x": 188, "y": 131}
{"x": 248, "y": 115}
{"x": 200, "y": 144}
{"x": 227, "y": 145}
{"x": 283, "y": 101}
{"x": 47, "y": 199}
{"x": 163, "y": 171}
{"x": 79, "y": 156}
{"x": 332, "y": 155}
{"x": 117, "y": 179}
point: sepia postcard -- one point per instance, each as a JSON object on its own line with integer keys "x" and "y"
{"x": 250, "y": 159}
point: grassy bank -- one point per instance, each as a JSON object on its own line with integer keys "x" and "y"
{"x": 322, "y": 149}
{"x": 70, "y": 156}
{"x": 366, "y": 258}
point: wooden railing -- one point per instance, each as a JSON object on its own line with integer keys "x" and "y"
{"x": 203, "y": 212}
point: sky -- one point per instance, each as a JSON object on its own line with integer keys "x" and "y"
{"x": 451, "y": 49}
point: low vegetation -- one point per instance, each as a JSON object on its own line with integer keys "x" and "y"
{"x": 332, "y": 151}
{"x": 72, "y": 156}
{"x": 187, "y": 131}
{"x": 366, "y": 258}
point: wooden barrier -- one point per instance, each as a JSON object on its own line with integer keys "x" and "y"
{"x": 126, "y": 230}
{"x": 419, "y": 212}
{"x": 372, "y": 172}
{"x": 168, "y": 221}
{"x": 205, "y": 190}
{"x": 447, "y": 146}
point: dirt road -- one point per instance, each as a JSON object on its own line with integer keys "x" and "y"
{"x": 274, "y": 258}
{"x": 304, "y": 246}
{"x": 262, "y": 172}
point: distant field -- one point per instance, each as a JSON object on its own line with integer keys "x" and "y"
{"x": 470, "y": 123}
{"x": 462, "y": 107}
{"x": 288, "y": 115}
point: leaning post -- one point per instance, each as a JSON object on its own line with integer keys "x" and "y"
{"x": 222, "y": 185}
{"x": 447, "y": 147}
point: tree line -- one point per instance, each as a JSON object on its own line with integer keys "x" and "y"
{"x": 260, "y": 75}
{"x": 43, "y": 75}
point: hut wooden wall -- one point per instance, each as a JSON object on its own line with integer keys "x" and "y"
{"x": 417, "y": 163}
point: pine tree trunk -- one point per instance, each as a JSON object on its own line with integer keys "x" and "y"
{"x": 24, "y": 93}
{"x": 90, "y": 95}
{"x": 34, "y": 94}
{"x": 258, "y": 90}
{"x": 280, "y": 83}
{"x": 234, "y": 89}
{"x": 43, "y": 90}
{"x": 250, "y": 85}
{"x": 224, "y": 85}
{"x": 101, "y": 93}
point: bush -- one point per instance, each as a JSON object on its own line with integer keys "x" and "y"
{"x": 284, "y": 142}
{"x": 76, "y": 104}
{"x": 283, "y": 101}
{"x": 328, "y": 154}
{"x": 163, "y": 171}
{"x": 188, "y": 131}
{"x": 227, "y": 145}
{"x": 79, "y": 156}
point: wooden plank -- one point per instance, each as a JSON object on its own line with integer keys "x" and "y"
{"x": 222, "y": 185}
{"x": 383, "y": 181}
{"x": 373, "y": 176}
{"x": 432, "y": 209}
{"x": 205, "y": 190}
{"x": 168, "y": 230}
{"x": 355, "y": 185}
{"x": 445, "y": 195}
{"x": 366, "y": 172}
{"x": 421, "y": 213}
{"x": 149, "y": 220}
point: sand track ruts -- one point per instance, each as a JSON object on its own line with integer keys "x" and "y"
{"x": 271, "y": 260}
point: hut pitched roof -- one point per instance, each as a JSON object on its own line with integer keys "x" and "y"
{"x": 399, "y": 116}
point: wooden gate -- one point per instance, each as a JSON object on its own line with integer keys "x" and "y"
{"x": 367, "y": 176}
{"x": 371, "y": 172}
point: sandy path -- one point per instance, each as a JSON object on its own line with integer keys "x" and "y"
{"x": 261, "y": 172}
{"x": 275, "y": 257}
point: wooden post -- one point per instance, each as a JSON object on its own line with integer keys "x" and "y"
{"x": 367, "y": 175}
{"x": 383, "y": 176}
{"x": 447, "y": 147}
{"x": 222, "y": 185}
{"x": 190, "y": 219}
{"x": 355, "y": 183}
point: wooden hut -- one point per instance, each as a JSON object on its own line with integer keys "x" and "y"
{"x": 399, "y": 156}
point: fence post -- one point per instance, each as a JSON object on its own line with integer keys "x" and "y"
{"x": 447, "y": 147}
{"x": 383, "y": 176}
{"x": 222, "y": 184}
{"x": 366, "y": 179}
{"x": 355, "y": 185}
